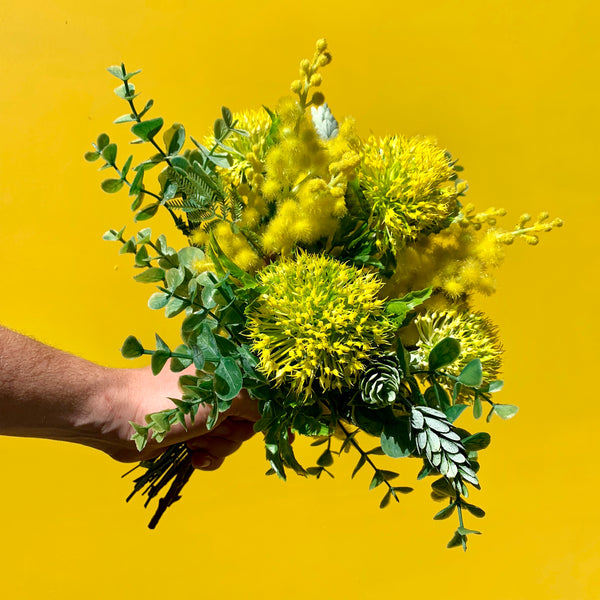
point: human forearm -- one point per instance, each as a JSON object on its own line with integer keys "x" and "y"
{"x": 45, "y": 392}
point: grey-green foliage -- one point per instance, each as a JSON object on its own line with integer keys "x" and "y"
{"x": 189, "y": 186}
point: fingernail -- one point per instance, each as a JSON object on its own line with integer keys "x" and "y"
{"x": 203, "y": 463}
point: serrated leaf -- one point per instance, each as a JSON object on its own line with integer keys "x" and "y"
{"x": 444, "y": 353}
{"x": 506, "y": 411}
{"x": 151, "y": 275}
{"x": 472, "y": 374}
{"x": 132, "y": 348}
{"x": 111, "y": 186}
{"x": 147, "y": 130}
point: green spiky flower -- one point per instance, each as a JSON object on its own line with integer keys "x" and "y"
{"x": 477, "y": 335}
{"x": 317, "y": 321}
{"x": 411, "y": 185}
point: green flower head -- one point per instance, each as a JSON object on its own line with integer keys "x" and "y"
{"x": 316, "y": 321}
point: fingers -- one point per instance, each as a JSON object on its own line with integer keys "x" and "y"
{"x": 244, "y": 407}
{"x": 209, "y": 451}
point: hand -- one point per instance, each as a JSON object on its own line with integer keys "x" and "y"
{"x": 136, "y": 393}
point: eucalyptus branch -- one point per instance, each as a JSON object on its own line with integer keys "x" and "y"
{"x": 364, "y": 455}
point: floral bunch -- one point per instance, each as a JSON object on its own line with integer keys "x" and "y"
{"x": 332, "y": 277}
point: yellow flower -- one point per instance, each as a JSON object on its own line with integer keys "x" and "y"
{"x": 411, "y": 185}
{"x": 316, "y": 323}
{"x": 477, "y": 335}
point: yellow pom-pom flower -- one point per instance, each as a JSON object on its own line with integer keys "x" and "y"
{"x": 411, "y": 186}
{"x": 477, "y": 335}
{"x": 317, "y": 321}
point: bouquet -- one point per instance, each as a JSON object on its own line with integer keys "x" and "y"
{"x": 331, "y": 277}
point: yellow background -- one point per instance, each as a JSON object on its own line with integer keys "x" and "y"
{"x": 511, "y": 89}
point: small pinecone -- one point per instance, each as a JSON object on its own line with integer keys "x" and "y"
{"x": 380, "y": 382}
{"x": 439, "y": 442}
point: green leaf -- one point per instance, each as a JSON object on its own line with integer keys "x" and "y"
{"x": 442, "y": 487}
{"x": 177, "y": 362}
{"x": 444, "y": 353}
{"x": 111, "y": 186}
{"x": 109, "y": 154}
{"x": 227, "y": 116}
{"x": 477, "y": 408}
{"x": 403, "y": 305}
{"x": 219, "y": 129}
{"x": 174, "y": 278}
{"x": 453, "y": 412}
{"x": 228, "y": 379}
{"x": 140, "y": 441}
{"x": 174, "y": 307}
{"x": 208, "y": 297}
{"x": 128, "y": 118}
{"x": 190, "y": 255}
{"x": 506, "y": 411}
{"x": 472, "y": 375}
{"x": 126, "y": 167}
{"x": 395, "y": 439}
{"x": 116, "y": 71}
{"x": 126, "y": 92}
{"x": 465, "y": 531}
{"x": 102, "y": 141}
{"x": 386, "y": 499}
{"x": 159, "y": 359}
{"x": 136, "y": 184}
{"x": 128, "y": 247}
{"x": 445, "y": 512}
{"x": 457, "y": 540}
{"x": 91, "y": 156}
{"x": 309, "y": 426}
{"x": 132, "y": 348}
{"x": 326, "y": 459}
{"x": 158, "y": 300}
{"x": 146, "y": 130}
{"x": 146, "y": 108}
{"x": 151, "y": 275}
{"x": 474, "y": 510}
{"x": 146, "y": 213}
{"x": 174, "y": 138}
{"x": 477, "y": 441}
{"x": 361, "y": 462}
{"x": 198, "y": 357}
{"x": 112, "y": 235}
{"x": 492, "y": 387}
{"x": 377, "y": 480}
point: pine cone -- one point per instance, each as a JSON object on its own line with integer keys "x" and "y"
{"x": 380, "y": 382}
{"x": 438, "y": 441}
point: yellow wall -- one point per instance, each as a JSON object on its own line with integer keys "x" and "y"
{"x": 511, "y": 88}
